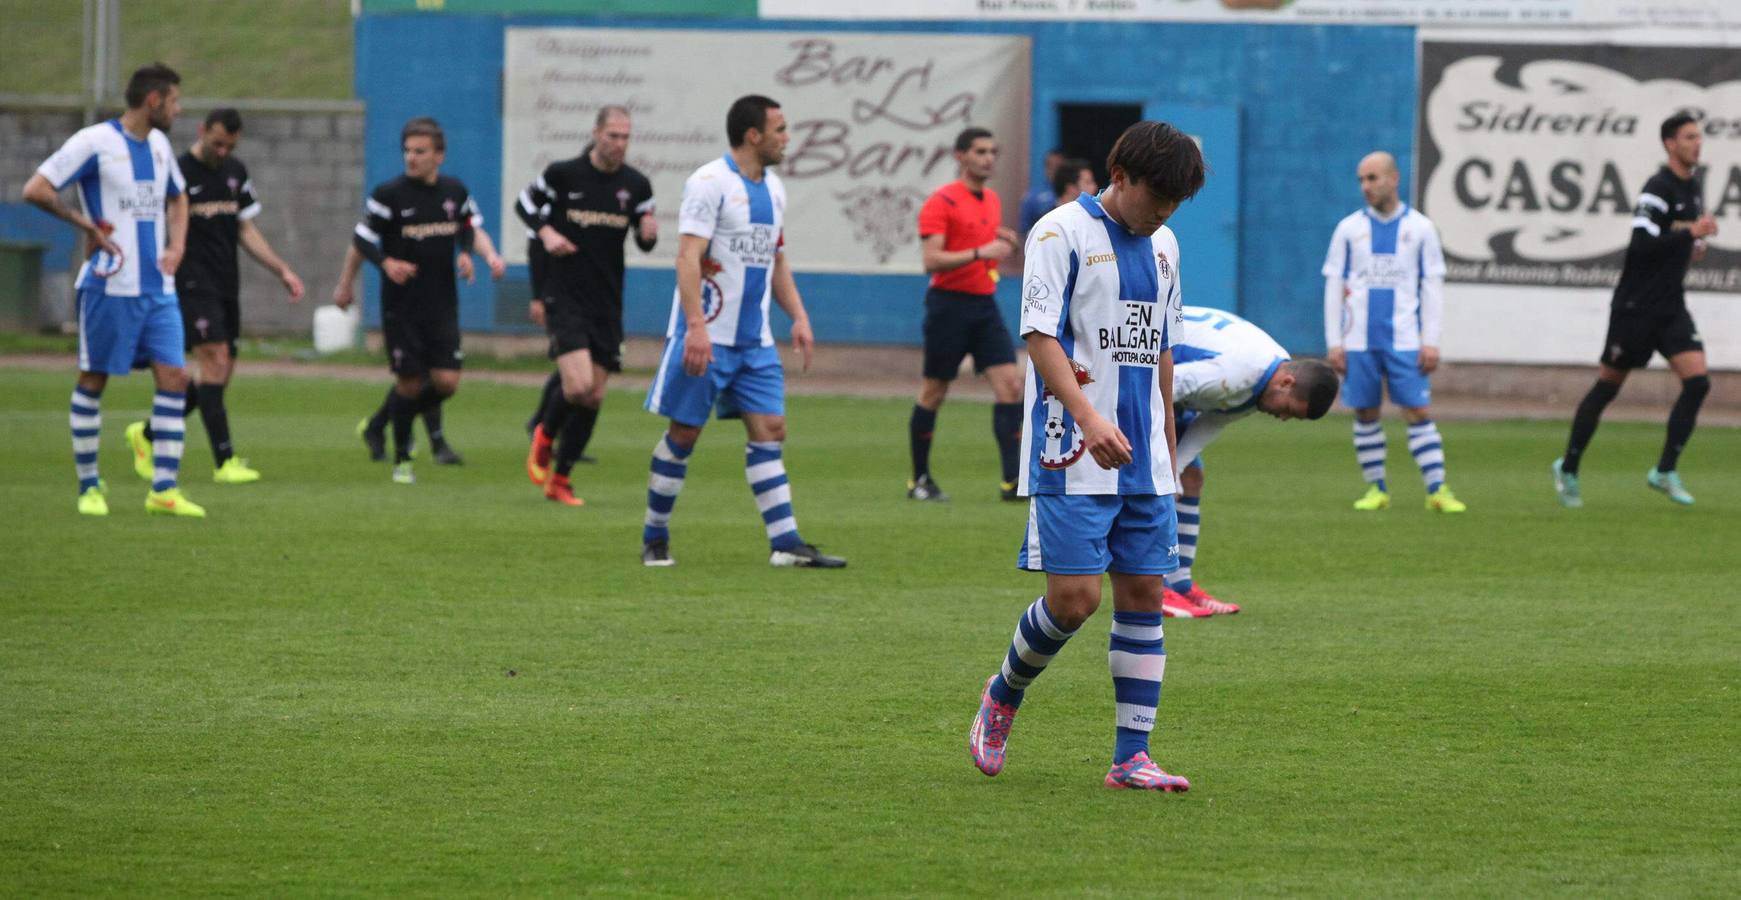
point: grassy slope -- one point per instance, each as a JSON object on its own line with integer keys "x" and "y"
{"x": 310, "y": 692}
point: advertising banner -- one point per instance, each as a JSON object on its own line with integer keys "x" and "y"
{"x": 872, "y": 117}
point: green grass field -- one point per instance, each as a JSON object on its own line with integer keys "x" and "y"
{"x": 340, "y": 686}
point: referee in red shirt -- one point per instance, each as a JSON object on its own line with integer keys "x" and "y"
{"x": 962, "y": 233}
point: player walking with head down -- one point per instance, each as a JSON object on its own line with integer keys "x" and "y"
{"x": 135, "y": 216}
{"x": 1649, "y": 314}
{"x": 719, "y": 348}
{"x": 414, "y": 227}
{"x": 1101, "y": 309}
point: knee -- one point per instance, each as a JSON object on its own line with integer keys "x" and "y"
{"x": 1366, "y": 416}
{"x": 1601, "y": 393}
{"x": 445, "y": 387}
{"x": 1073, "y": 606}
{"x": 172, "y": 379}
{"x": 683, "y": 436}
{"x": 774, "y": 431}
{"x": 1417, "y": 414}
{"x": 1191, "y": 480}
{"x": 931, "y": 393}
{"x": 1696, "y": 387}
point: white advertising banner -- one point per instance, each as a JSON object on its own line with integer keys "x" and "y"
{"x": 873, "y": 120}
{"x": 1530, "y": 159}
{"x": 1454, "y": 13}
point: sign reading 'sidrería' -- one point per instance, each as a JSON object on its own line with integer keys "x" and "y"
{"x": 1531, "y": 156}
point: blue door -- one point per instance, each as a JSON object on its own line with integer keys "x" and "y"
{"x": 1208, "y": 224}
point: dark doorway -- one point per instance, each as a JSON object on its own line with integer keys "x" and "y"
{"x": 1088, "y": 130}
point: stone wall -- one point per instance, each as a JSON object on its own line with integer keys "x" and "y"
{"x": 307, "y": 168}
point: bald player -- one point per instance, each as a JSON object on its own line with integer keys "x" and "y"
{"x": 1384, "y": 299}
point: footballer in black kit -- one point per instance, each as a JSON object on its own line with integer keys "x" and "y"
{"x": 581, "y": 211}
{"x": 221, "y": 210}
{"x": 1649, "y": 312}
{"x": 420, "y": 229}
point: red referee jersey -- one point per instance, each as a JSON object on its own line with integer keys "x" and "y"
{"x": 965, "y": 220}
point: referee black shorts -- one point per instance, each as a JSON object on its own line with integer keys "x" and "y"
{"x": 1634, "y": 336}
{"x": 208, "y": 317}
{"x": 576, "y": 324}
{"x": 958, "y": 325}
{"x": 417, "y": 343}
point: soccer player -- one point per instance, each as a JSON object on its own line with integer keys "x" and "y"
{"x": 135, "y": 216}
{"x": 1074, "y": 178}
{"x": 221, "y": 210}
{"x": 1100, "y": 312}
{"x": 581, "y": 209}
{"x": 962, "y": 236}
{"x": 1384, "y": 296}
{"x": 414, "y": 226}
{"x": 1225, "y": 368}
{"x": 1649, "y": 313}
{"x": 719, "y": 348}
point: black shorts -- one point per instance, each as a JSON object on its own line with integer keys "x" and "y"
{"x": 577, "y": 325}
{"x": 537, "y": 263}
{"x": 210, "y": 318}
{"x": 416, "y": 344}
{"x": 1633, "y": 337}
{"x": 957, "y": 325}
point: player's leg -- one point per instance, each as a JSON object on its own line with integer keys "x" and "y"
{"x": 1411, "y": 390}
{"x": 944, "y": 348}
{"x": 577, "y": 415}
{"x": 161, "y": 342}
{"x": 995, "y": 355}
{"x": 445, "y": 362}
{"x": 605, "y": 348}
{"x": 1141, "y": 546}
{"x": 1629, "y": 343}
{"x": 758, "y": 393}
{"x": 686, "y": 400}
{"x": 403, "y": 405}
{"x": 1689, "y": 367}
{"x": 216, "y": 362}
{"x": 552, "y": 391}
{"x": 1363, "y": 390}
{"x": 100, "y": 333}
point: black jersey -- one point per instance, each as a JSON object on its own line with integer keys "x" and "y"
{"x": 422, "y": 223}
{"x": 218, "y": 201}
{"x": 595, "y": 210}
{"x": 1657, "y": 257}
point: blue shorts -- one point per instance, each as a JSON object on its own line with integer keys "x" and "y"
{"x": 1370, "y": 370}
{"x": 120, "y": 334}
{"x": 740, "y": 380}
{"x": 1090, "y": 534}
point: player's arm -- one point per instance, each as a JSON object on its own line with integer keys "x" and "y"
{"x": 697, "y": 347}
{"x": 175, "y": 243}
{"x": 534, "y": 207}
{"x": 1655, "y": 232}
{"x": 254, "y": 241}
{"x": 1047, "y": 268}
{"x": 786, "y": 294}
{"x": 1164, "y": 372}
{"x": 42, "y": 190}
{"x": 1335, "y": 300}
{"x": 646, "y": 224}
{"x": 1432, "y": 299}
{"x": 474, "y": 239}
{"x": 344, "y": 293}
{"x": 369, "y": 240}
{"x": 1202, "y": 432}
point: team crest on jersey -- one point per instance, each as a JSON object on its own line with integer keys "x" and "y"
{"x": 1062, "y": 449}
{"x": 449, "y": 206}
{"x": 622, "y": 198}
{"x": 234, "y": 183}
{"x": 1162, "y": 264}
{"x": 712, "y": 298}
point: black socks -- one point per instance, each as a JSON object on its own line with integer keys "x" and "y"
{"x": 1006, "y": 425}
{"x": 1585, "y": 421}
{"x": 1681, "y": 420}
{"x": 920, "y": 429}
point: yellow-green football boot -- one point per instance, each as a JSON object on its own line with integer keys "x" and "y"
{"x": 173, "y": 503}
{"x": 1375, "y": 499}
{"x": 141, "y": 450}
{"x": 1442, "y": 500}
{"x": 235, "y": 471}
{"x": 94, "y": 500}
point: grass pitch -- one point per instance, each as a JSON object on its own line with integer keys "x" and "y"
{"x": 337, "y": 685}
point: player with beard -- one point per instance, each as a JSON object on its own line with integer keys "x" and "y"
{"x": 581, "y": 210}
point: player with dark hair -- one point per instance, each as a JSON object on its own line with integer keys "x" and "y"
{"x": 420, "y": 229}
{"x": 1041, "y": 198}
{"x": 222, "y": 205}
{"x": 134, "y": 219}
{"x": 582, "y": 209}
{"x": 1074, "y": 178}
{"x": 1101, "y": 311}
{"x": 719, "y": 348}
{"x": 1226, "y": 368}
{"x": 1649, "y": 313}
{"x": 962, "y": 237}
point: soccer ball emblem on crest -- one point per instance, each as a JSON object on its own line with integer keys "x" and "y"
{"x": 1063, "y": 448}
{"x": 712, "y": 298}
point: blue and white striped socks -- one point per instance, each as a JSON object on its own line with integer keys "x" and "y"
{"x": 168, "y": 431}
{"x": 86, "y": 422}
{"x": 1369, "y": 451}
{"x": 1190, "y": 520}
{"x": 1429, "y": 453}
{"x": 1138, "y": 658}
{"x": 670, "y": 465}
{"x": 1038, "y": 639}
{"x": 766, "y": 473}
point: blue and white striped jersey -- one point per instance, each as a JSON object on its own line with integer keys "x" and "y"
{"x": 1222, "y": 363}
{"x": 744, "y": 223}
{"x": 1112, "y": 299}
{"x": 126, "y": 183}
{"x": 1384, "y": 282}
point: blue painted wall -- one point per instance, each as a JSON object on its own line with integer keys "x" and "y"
{"x": 1313, "y": 100}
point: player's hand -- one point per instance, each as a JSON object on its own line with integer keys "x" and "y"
{"x": 462, "y": 266}
{"x": 170, "y": 259}
{"x": 1338, "y": 360}
{"x": 1699, "y": 248}
{"x": 697, "y": 351}
{"x": 995, "y": 250}
{"x": 97, "y": 233}
{"x": 554, "y": 243}
{"x": 649, "y": 229}
{"x": 398, "y": 271}
{"x": 1429, "y": 360}
{"x": 1704, "y": 226}
{"x": 535, "y": 312}
{"x": 342, "y": 295}
{"x": 1105, "y": 442}
{"x": 292, "y": 284}
{"x": 803, "y": 342}
{"x": 498, "y": 266}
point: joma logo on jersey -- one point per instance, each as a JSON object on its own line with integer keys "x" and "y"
{"x": 1097, "y": 258}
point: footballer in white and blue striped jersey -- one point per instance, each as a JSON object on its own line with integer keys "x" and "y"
{"x": 133, "y": 211}
{"x": 1101, "y": 308}
{"x": 1384, "y": 298}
